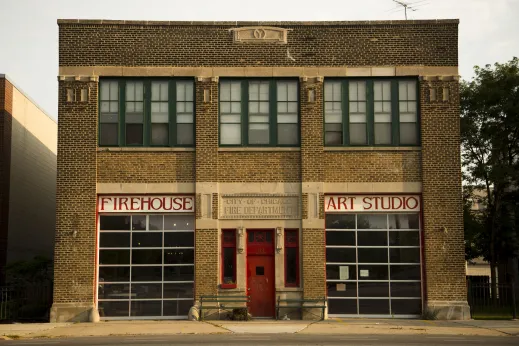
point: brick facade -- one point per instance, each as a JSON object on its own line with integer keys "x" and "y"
{"x": 205, "y": 52}
{"x": 6, "y": 110}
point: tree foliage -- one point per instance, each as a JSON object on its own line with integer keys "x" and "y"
{"x": 490, "y": 159}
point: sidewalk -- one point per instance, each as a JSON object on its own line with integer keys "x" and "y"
{"x": 333, "y": 326}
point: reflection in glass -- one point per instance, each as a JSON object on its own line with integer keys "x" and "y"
{"x": 404, "y": 255}
{"x": 406, "y": 306}
{"x": 114, "y": 256}
{"x": 114, "y": 274}
{"x": 404, "y": 221}
{"x": 340, "y": 221}
{"x": 155, "y": 222}
{"x": 179, "y": 273}
{"x": 139, "y": 222}
{"x": 404, "y": 238}
{"x": 179, "y": 222}
{"x": 114, "y": 291}
{"x": 146, "y": 291}
{"x": 371, "y": 221}
{"x": 114, "y": 222}
{"x": 114, "y": 309}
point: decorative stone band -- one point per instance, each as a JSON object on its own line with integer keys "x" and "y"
{"x": 272, "y": 71}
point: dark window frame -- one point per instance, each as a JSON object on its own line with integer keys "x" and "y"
{"x": 273, "y": 113}
{"x": 294, "y": 244}
{"x": 395, "y": 111}
{"x": 228, "y": 243}
{"x": 147, "y": 124}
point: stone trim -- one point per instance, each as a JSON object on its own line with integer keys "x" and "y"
{"x": 146, "y": 149}
{"x": 253, "y": 23}
{"x": 372, "y": 148}
{"x": 258, "y": 149}
{"x": 86, "y": 72}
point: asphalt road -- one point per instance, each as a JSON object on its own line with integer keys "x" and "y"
{"x": 274, "y": 339}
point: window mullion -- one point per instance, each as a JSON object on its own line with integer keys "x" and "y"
{"x": 146, "y": 109}
{"x": 370, "y": 109}
{"x": 172, "y": 108}
{"x": 273, "y": 113}
{"x": 122, "y": 113}
{"x": 345, "y": 113}
{"x": 395, "y": 115}
{"x": 245, "y": 112}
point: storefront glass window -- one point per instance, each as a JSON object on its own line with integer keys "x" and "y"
{"x": 373, "y": 264}
{"x": 146, "y": 265}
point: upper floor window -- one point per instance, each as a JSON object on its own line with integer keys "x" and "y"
{"x": 371, "y": 112}
{"x": 146, "y": 113}
{"x": 259, "y": 113}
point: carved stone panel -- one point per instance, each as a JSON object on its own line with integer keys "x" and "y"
{"x": 260, "y": 206}
{"x": 260, "y": 34}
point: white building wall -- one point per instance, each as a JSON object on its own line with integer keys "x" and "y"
{"x": 32, "y": 204}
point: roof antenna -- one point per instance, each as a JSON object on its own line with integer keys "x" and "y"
{"x": 409, "y": 5}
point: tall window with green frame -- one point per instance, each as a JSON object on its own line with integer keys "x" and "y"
{"x": 134, "y": 116}
{"x": 146, "y": 112}
{"x": 371, "y": 112}
{"x": 159, "y": 113}
{"x": 109, "y": 113}
{"x": 259, "y": 113}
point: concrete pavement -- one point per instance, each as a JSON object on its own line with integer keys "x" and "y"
{"x": 343, "y": 327}
{"x": 272, "y": 339}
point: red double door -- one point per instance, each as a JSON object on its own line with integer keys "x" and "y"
{"x": 260, "y": 272}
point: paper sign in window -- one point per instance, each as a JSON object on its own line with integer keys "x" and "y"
{"x": 341, "y": 287}
{"x": 364, "y": 273}
{"x": 344, "y": 273}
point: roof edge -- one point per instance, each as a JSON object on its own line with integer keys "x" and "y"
{"x": 253, "y": 23}
{"x": 6, "y": 77}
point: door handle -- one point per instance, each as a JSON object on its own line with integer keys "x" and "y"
{"x": 248, "y": 289}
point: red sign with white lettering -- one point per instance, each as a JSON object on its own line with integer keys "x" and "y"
{"x": 370, "y": 203}
{"x": 146, "y": 204}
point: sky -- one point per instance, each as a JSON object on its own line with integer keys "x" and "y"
{"x": 488, "y": 32}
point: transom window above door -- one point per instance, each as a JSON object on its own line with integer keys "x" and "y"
{"x": 259, "y": 112}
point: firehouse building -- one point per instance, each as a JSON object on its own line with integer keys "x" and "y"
{"x": 275, "y": 160}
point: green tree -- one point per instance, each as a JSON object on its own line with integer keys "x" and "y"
{"x": 490, "y": 155}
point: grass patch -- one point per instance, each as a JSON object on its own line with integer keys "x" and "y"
{"x": 13, "y": 337}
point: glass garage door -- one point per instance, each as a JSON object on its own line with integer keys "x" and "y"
{"x": 373, "y": 264}
{"x": 146, "y": 266}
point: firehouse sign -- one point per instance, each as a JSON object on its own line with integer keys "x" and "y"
{"x": 146, "y": 204}
{"x": 360, "y": 203}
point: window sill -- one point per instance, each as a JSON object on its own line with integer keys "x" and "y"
{"x": 372, "y": 148}
{"x": 146, "y": 149}
{"x": 249, "y": 149}
{"x": 227, "y": 286}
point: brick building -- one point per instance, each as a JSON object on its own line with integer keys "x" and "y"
{"x": 275, "y": 159}
{"x": 28, "y": 147}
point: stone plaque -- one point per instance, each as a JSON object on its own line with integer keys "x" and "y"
{"x": 259, "y": 206}
{"x": 260, "y": 34}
